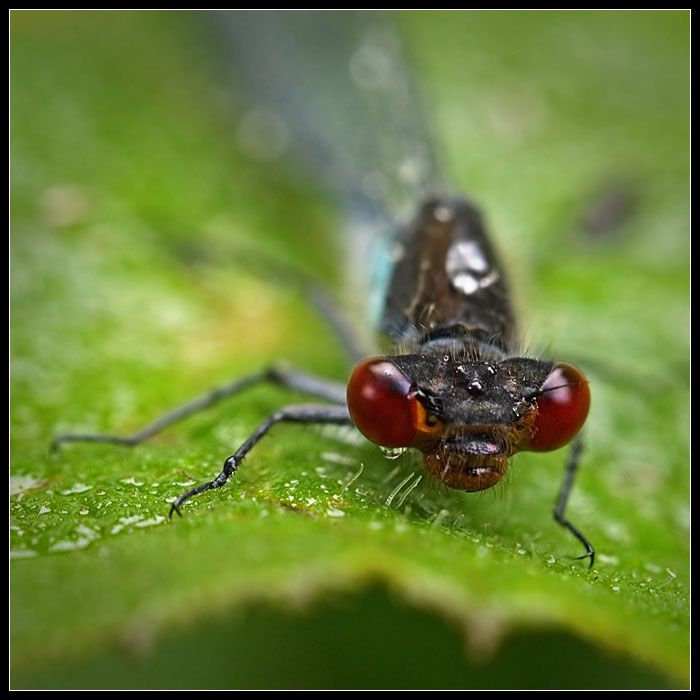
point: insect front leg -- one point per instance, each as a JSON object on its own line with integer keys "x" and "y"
{"x": 567, "y": 484}
{"x": 288, "y": 378}
{"x": 304, "y": 413}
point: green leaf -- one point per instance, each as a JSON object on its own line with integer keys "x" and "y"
{"x": 322, "y": 564}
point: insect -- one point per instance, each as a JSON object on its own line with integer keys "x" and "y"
{"x": 453, "y": 384}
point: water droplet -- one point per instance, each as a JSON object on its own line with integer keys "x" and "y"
{"x": 155, "y": 520}
{"x": 76, "y": 488}
{"x": 23, "y": 482}
{"x": 392, "y": 452}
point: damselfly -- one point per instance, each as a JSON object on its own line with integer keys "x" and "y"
{"x": 452, "y": 384}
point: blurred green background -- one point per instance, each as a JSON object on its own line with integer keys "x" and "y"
{"x": 323, "y": 565}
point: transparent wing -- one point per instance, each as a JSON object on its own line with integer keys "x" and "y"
{"x": 333, "y": 88}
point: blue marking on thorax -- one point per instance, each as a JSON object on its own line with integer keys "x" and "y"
{"x": 382, "y": 271}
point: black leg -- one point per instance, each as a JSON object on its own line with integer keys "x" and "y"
{"x": 291, "y": 379}
{"x": 304, "y": 413}
{"x": 571, "y": 467}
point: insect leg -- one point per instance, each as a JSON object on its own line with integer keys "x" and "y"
{"x": 289, "y": 378}
{"x": 571, "y": 467}
{"x": 303, "y": 413}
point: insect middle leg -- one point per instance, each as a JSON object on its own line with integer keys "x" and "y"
{"x": 567, "y": 484}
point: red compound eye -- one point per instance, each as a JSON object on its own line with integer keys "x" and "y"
{"x": 562, "y": 407}
{"x": 384, "y": 406}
